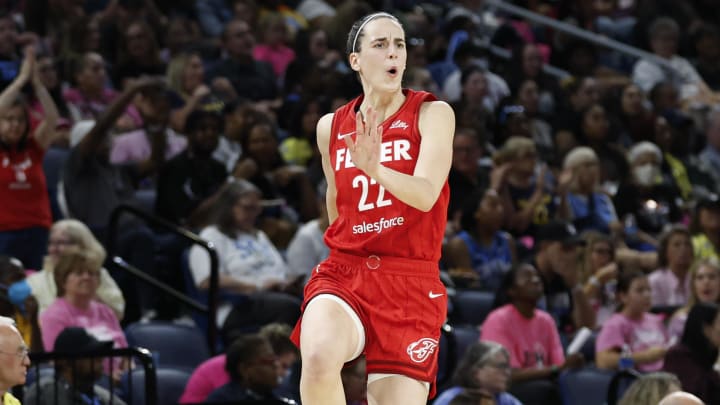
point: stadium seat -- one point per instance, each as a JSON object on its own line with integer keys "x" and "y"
{"x": 464, "y": 336}
{"x": 171, "y": 383}
{"x": 471, "y": 307}
{"x": 587, "y": 386}
{"x": 172, "y": 345}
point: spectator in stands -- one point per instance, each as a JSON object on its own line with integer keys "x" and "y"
{"x": 251, "y": 79}
{"x": 704, "y": 288}
{"x": 89, "y": 96}
{"x": 307, "y": 248}
{"x": 581, "y": 93}
{"x": 300, "y": 147}
{"x": 25, "y": 215}
{"x": 262, "y": 164}
{"x": 17, "y": 302}
{"x": 14, "y": 360}
{"x": 525, "y": 190}
{"x": 73, "y": 234}
{"x": 484, "y": 373}
{"x": 481, "y": 253}
{"x": 530, "y": 335}
{"x": 556, "y": 259}
{"x": 139, "y": 54}
{"x": 182, "y": 33}
{"x": 465, "y": 57}
{"x": 595, "y": 131}
{"x": 249, "y": 264}
{"x": 600, "y": 275}
{"x": 635, "y": 119}
{"x": 644, "y": 195}
{"x": 187, "y": 179}
{"x": 632, "y": 330}
{"x": 10, "y": 60}
{"x": 705, "y": 39}
{"x": 674, "y": 135}
{"x": 467, "y": 174}
{"x": 93, "y": 188}
{"x": 671, "y": 284}
{"x": 588, "y": 207}
{"x": 527, "y": 63}
{"x": 705, "y": 227}
{"x": 74, "y": 380}
{"x": 48, "y": 73}
{"x": 211, "y": 374}
{"x": 149, "y": 147}
{"x": 77, "y": 275}
{"x": 252, "y": 366}
{"x": 315, "y": 58}
{"x": 664, "y": 34}
{"x": 650, "y": 388}
{"x": 527, "y": 95}
{"x": 238, "y": 115}
{"x": 474, "y": 108}
{"x": 694, "y": 358}
{"x": 273, "y": 47}
{"x": 186, "y": 77}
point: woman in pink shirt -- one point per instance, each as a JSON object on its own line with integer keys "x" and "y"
{"x": 633, "y": 330}
{"x": 670, "y": 283}
{"x": 530, "y": 336}
{"x": 77, "y": 277}
{"x": 272, "y": 49}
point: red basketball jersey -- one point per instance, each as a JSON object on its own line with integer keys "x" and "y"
{"x": 371, "y": 221}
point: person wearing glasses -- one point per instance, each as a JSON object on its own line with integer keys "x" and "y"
{"x": 14, "y": 361}
{"x": 482, "y": 377}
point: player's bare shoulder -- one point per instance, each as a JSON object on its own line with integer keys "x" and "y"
{"x": 323, "y": 129}
{"x": 436, "y": 116}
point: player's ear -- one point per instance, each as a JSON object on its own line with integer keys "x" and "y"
{"x": 354, "y": 62}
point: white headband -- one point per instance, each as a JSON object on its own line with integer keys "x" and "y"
{"x": 367, "y": 20}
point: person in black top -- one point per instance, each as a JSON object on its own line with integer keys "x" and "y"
{"x": 193, "y": 175}
{"x": 252, "y": 366}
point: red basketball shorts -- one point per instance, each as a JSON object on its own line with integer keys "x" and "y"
{"x": 401, "y": 303}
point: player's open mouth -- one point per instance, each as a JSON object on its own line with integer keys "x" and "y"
{"x": 392, "y": 71}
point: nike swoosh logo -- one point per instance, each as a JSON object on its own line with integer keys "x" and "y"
{"x": 341, "y": 136}
{"x": 433, "y": 296}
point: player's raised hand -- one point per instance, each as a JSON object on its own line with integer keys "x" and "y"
{"x": 365, "y": 149}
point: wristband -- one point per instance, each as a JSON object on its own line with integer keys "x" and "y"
{"x": 594, "y": 281}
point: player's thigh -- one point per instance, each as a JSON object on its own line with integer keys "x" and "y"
{"x": 397, "y": 389}
{"x": 330, "y": 328}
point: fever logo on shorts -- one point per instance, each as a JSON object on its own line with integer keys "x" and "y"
{"x": 422, "y": 349}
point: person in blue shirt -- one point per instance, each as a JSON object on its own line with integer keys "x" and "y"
{"x": 483, "y": 375}
{"x": 481, "y": 253}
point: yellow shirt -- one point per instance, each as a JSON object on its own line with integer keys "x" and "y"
{"x": 704, "y": 249}
{"x": 9, "y": 399}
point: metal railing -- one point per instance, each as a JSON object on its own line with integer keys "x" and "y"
{"x": 45, "y": 367}
{"x": 574, "y": 31}
{"x": 211, "y": 308}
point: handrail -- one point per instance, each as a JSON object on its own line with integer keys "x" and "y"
{"x": 119, "y": 262}
{"x": 213, "y": 287}
{"x": 139, "y": 353}
{"x": 580, "y": 33}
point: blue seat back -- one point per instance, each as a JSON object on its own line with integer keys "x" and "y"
{"x": 172, "y": 345}
{"x": 471, "y": 307}
{"x": 587, "y": 386}
{"x": 171, "y": 384}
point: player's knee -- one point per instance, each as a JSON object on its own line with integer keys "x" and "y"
{"x": 319, "y": 365}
